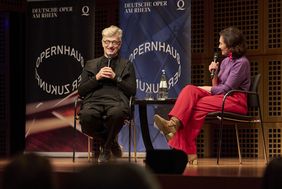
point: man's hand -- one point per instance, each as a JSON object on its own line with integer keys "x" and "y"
{"x": 105, "y": 72}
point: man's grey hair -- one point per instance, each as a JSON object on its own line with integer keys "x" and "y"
{"x": 112, "y": 31}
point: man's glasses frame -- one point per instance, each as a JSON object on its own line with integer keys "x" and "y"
{"x": 114, "y": 43}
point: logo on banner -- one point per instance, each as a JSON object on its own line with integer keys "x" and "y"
{"x": 157, "y": 47}
{"x": 180, "y": 5}
{"x": 85, "y": 11}
{"x": 61, "y": 56}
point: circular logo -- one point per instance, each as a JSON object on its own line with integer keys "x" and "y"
{"x": 58, "y": 69}
{"x": 151, "y": 55}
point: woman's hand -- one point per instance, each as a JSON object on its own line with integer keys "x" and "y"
{"x": 206, "y": 88}
{"x": 213, "y": 66}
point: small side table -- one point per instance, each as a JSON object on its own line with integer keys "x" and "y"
{"x": 142, "y": 103}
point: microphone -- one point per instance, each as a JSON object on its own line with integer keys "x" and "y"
{"x": 215, "y": 57}
{"x": 109, "y": 62}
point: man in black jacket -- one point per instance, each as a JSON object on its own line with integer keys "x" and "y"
{"x": 106, "y": 86}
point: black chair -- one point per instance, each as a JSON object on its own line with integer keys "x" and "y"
{"x": 234, "y": 118}
{"x": 129, "y": 121}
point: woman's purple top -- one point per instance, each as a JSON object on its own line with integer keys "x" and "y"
{"x": 233, "y": 74}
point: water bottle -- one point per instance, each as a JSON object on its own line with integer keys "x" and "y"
{"x": 163, "y": 87}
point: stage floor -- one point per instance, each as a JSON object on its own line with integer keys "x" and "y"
{"x": 228, "y": 174}
{"x": 206, "y": 166}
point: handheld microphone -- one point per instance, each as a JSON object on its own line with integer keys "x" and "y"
{"x": 109, "y": 62}
{"x": 215, "y": 57}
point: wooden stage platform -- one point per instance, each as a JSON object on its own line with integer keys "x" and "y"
{"x": 228, "y": 175}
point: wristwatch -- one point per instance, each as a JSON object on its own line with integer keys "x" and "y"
{"x": 119, "y": 79}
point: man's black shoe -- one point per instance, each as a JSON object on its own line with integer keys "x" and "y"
{"x": 104, "y": 156}
{"x": 96, "y": 147}
{"x": 116, "y": 150}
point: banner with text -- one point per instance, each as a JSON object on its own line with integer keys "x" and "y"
{"x": 60, "y": 37}
{"x": 157, "y": 37}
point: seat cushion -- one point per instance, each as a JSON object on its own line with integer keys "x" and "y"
{"x": 231, "y": 116}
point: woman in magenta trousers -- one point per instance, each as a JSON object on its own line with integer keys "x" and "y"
{"x": 195, "y": 102}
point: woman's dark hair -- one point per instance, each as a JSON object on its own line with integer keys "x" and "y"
{"x": 234, "y": 40}
{"x": 115, "y": 175}
{"x": 272, "y": 178}
{"x": 30, "y": 171}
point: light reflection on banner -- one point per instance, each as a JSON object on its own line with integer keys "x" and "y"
{"x": 156, "y": 36}
{"x": 60, "y": 37}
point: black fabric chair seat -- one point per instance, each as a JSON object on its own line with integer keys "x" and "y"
{"x": 229, "y": 116}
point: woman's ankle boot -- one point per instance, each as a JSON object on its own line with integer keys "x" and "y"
{"x": 168, "y": 128}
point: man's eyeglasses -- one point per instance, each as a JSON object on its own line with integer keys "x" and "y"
{"x": 114, "y": 43}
